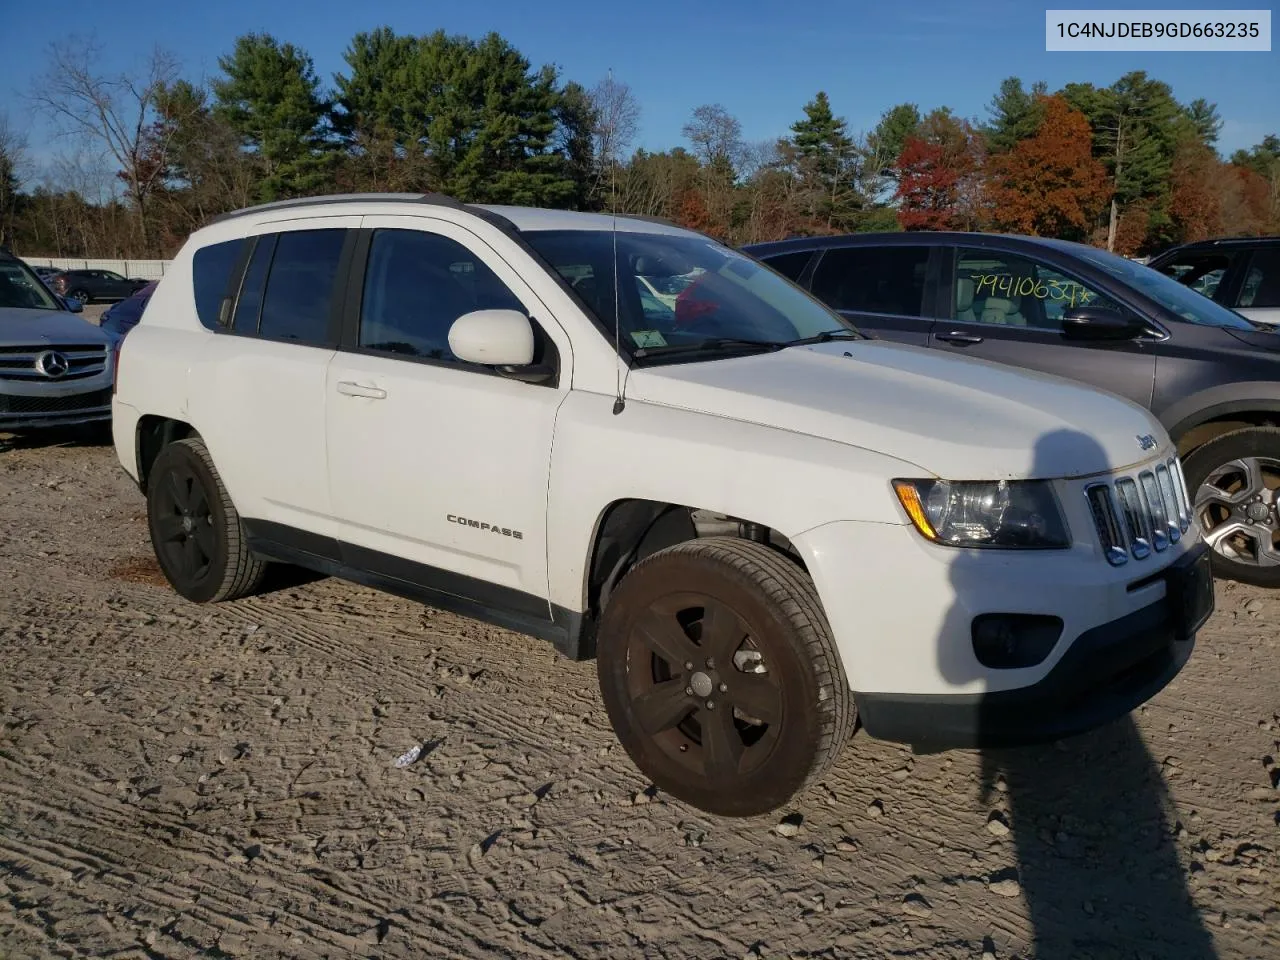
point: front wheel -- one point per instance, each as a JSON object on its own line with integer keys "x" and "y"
{"x": 195, "y": 529}
{"x": 1234, "y": 482}
{"x": 720, "y": 676}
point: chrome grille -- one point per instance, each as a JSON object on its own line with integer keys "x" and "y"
{"x": 83, "y": 360}
{"x": 1138, "y": 516}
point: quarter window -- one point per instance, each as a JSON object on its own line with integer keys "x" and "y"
{"x": 790, "y": 265}
{"x": 1008, "y": 290}
{"x": 416, "y": 285}
{"x": 211, "y": 269}
{"x": 297, "y": 302}
{"x": 888, "y": 280}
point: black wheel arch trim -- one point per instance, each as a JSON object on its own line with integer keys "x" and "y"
{"x": 1218, "y": 402}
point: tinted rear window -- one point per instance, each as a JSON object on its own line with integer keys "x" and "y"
{"x": 296, "y": 305}
{"x": 211, "y": 268}
{"x": 873, "y": 279}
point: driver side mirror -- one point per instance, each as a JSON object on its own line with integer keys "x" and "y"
{"x": 501, "y": 339}
{"x": 1099, "y": 323}
{"x": 72, "y": 304}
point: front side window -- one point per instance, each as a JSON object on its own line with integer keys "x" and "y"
{"x": 416, "y": 285}
{"x": 1203, "y": 273}
{"x": 211, "y": 268}
{"x": 1009, "y": 290}
{"x": 1262, "y": 283}
{"x": 296, "y": 304}
{"x": 19, "y": 288}
{"x": 886, "y": 280}
{"x": 722, "y": 294}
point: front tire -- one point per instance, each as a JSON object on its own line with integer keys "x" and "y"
{"x": 195, "y": 529}
{"x": 720, "y": 676}
{"x": 1234, "y": 484}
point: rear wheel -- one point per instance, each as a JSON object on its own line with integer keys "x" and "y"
{"x": 81, "y": 295}
{"x": 720, "y": 677}
{"x": 1234, "y": 482}
{"x": 195, "y": 530}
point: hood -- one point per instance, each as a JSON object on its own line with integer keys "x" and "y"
{"x": 954, "y": 417}
{"x": 24, "y": 327}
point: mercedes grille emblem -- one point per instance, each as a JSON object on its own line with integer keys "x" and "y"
{"x": 52, "y": 364}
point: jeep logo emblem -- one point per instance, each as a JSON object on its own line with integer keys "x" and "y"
{"x": 1146, "y": 441}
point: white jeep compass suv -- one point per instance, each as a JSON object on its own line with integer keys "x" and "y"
{"x": 765, "y": 527}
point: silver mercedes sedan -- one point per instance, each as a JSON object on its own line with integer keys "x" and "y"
{"x": 55, "y": 368}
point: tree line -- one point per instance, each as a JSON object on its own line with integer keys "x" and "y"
{"x": 151, "y": 156}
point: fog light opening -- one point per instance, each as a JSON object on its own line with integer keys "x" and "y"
{"x": 1007, "y": 641}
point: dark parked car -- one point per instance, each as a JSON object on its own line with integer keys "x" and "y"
{"x": 120, "y": 318}
{"x": 1209, "y": 374}
{"x": 1242, "y": 273}
{"x": 89, "y": 285}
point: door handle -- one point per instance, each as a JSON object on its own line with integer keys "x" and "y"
{"x": 958, "y": 336}
{"x": 349, "y": 389}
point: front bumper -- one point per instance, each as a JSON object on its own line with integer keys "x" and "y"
{"x": 1105, "y": 673}
{"x": 36, "y": 411}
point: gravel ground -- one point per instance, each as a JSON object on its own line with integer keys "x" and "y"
{"x": 180, "y": 781}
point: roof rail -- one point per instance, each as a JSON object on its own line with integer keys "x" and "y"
{"x": 339, "y": 198}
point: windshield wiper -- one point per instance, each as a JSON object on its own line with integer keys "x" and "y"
{"x": 709, "y": 345}
{"x": 826, "y": 336}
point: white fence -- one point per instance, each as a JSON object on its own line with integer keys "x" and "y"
{"x": 144, "y": 269}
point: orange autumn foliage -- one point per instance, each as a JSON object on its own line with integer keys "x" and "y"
{"x": 1049, "y": 184}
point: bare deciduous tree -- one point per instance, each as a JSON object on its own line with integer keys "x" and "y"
{"x": 617, "y": 121}
{"x": 716, "y": 136}
{"x": 117, "y": 112}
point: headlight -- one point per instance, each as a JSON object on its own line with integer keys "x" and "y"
{"x": 1002, "y": 513}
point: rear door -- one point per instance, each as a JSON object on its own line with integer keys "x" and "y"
{"x": 886, "y": 291}
{"x": 1008, "y": 308}
{"x": 261, "y": 379}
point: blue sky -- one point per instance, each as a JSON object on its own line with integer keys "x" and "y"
{"x": 762, "y": 61}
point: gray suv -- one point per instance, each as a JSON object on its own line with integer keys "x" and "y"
{"x": 1210, "y": 375}
{"x": 55, "y": 368}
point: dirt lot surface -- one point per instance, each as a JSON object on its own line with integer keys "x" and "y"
{"x": 182, "y": 781}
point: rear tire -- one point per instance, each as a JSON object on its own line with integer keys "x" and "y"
{"x": 81, "y": 295}
{"x": 1234, "y": 485}
{"x": 196, "y": 532}
{"x": 720, "y": 676}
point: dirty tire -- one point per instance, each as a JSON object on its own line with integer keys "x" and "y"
{"x": 724, "y": 759}
{"x": 1258, "y": 444}
{"x": 210, "y": 560}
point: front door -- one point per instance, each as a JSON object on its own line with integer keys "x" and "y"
{"x": 438, "y": 469}
{"x": 1008, "y": 308}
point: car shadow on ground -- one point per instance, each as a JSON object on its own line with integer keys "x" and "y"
{"x": 1090, "y": 819}
{"x": 89, "y": 435}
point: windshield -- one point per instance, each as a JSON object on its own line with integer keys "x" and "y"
{"x": 681, "y": 290}
{"x": 20, "y": 288}
{"x": 1169, "y": 293}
